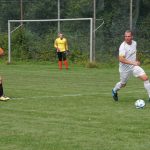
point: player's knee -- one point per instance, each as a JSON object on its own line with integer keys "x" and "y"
{"x": 144, "y": 77}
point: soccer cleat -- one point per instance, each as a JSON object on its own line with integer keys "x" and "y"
{"x": 4, "y": 98}
{"x": 114, "y": 95}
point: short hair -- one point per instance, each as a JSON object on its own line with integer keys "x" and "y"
{"x": 129, "y": 31}
{"x": 60, "y": 33}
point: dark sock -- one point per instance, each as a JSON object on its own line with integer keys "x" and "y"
{"x": 1, "y": 90}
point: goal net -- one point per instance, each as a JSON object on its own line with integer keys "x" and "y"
{"x": 34, "y": 39}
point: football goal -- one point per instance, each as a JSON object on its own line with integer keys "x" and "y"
{"x": 78, "y": 31}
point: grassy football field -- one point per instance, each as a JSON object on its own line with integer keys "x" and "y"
{"x": 71, "y": 110}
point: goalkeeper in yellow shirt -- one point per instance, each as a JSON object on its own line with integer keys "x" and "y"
{"x": 61, "y": 46}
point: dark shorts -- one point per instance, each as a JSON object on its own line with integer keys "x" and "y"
{"x": 61, "y": 56}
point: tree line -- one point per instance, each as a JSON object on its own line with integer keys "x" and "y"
{"x": 108, "y": 37}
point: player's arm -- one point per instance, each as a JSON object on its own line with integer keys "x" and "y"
{"x": 66, "y": 45}
{"x": 56, "y": 45}
{"x": 1, "y": 51}
{"x": 125, "y": 61}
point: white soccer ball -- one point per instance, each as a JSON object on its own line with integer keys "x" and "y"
{"x": 139, "y": 103}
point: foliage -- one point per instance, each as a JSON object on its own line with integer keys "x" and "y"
{"x": 92, "y": 65}
{"x": 25, "y": 46}
{"x": 4, "y": 42}
{"x": 108, "y": 37}
{"x": 77, "y": 56}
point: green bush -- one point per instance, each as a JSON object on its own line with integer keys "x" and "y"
{"x": 76, "y": 56}
{"x": 92, "y": 65}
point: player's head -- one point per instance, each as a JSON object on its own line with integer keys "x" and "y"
{"x": 60, "y": 35}
{"x": 128, "y": 36}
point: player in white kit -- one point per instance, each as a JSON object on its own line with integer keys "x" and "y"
{"x": 129, "y": 65}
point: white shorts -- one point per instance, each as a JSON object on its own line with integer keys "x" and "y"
{"x": 136, "y": 71}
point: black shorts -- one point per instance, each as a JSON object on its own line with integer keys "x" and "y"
{"x": 61, "y": 56}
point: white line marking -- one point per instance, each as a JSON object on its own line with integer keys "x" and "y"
{"x": 74, "y": 95}
{"x": 48, "y": 96}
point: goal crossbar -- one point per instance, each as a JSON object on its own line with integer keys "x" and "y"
{"x": 47, "y": 20}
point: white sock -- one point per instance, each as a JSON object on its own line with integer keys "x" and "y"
{"x": 147, "y": 87}
{"x": 117, "y": 87}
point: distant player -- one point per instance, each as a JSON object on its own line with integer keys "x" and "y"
{"x": 129, "y": 65}
{"x": 61, "y": 46}
{"x": 2, "y": 97}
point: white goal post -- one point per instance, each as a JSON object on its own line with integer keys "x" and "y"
{"x": 48, "y": 20}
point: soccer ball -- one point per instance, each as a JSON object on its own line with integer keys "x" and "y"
{"x": 139, "y": 103}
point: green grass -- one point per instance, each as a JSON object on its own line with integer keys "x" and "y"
{"x": 70, "y": 110}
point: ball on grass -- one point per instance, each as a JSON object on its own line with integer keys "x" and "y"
{"x": 139, "y": 103}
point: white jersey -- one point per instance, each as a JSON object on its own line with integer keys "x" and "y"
{"x": 129, "y": 52}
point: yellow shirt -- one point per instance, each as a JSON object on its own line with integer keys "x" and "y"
{"x": 61, "y": 44}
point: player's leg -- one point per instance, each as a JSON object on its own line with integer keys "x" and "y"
{"x": 124, "y": 76}
{"x": 1, "y": 87}
{"x": 147, "y": 87}
{"x": 59, "y": 54}
{"x": 65, "y": 60}
{"x": 2, "y": 97}
{"x": 140, "y": 73}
